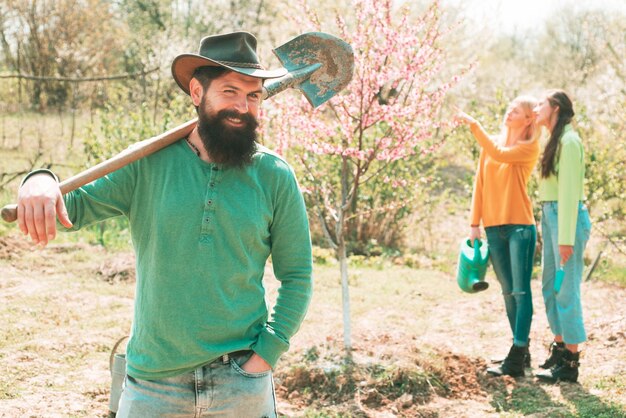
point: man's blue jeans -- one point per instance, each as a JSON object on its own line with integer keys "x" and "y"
{"x": 511, "y": 250}
{"x": 218, "y": 389}
{"x": 564, "y": 309}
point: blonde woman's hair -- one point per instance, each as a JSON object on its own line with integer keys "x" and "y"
{"x": 527, "y": 103}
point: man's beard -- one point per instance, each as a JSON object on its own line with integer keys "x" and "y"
{"x": 228, "y": 145}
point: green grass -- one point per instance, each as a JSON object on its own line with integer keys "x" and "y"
{"x": 525, "y": 400}
{"x": 575, "y": 402}
{"x": 614, "y": 383}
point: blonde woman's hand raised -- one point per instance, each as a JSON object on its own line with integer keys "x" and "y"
{"x": 463, "y": 117}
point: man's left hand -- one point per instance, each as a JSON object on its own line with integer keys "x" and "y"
{"x": 255, "y": 364}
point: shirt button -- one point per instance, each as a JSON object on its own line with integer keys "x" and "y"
{"x": 210, "y": 202}
{"x": 211, "y": 184}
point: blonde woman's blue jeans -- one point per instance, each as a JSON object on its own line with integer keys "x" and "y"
{"x": 511, "y": 250}
{"x": 564, "y": 309}
{"x": 218, "y": 389}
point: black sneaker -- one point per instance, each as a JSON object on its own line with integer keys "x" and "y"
{"x": 526, "y": 358}
{"x": 556, "y": 352}
{"x": 566, "y": 370}
{"x": 513, "y": 364}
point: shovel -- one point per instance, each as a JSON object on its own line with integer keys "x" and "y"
{"x": 318, "y": 64}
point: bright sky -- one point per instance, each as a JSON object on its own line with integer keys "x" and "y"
{"x": 515, "y": 16}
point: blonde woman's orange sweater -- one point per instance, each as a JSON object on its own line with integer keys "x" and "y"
{"x": 500, "y": 188}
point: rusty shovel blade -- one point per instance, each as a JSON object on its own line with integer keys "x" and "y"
{"x": 319, "y": 65}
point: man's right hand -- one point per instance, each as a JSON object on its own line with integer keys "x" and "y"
{"x": 39, "y": 202}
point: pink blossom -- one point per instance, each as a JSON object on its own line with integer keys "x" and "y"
{"x": 386, "y": 113}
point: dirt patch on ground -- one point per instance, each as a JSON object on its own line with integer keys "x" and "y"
{"x": 384, "y": 377}
{"x": 12, "y": 247}
{"x": 464, "y": 376}
{"x": 119, "y": 268}
{"x": 107, "y": 266}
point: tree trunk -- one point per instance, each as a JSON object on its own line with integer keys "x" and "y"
{"x": 342, "y": 256}
{"x": 345, "y": 294}
{"x": 74, "y": 106}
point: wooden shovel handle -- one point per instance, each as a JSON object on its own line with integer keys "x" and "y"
{"x": 130, "y": 154}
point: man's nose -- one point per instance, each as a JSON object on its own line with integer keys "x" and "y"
{"x": 241, "y": 105}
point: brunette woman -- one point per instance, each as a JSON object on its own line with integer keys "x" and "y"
{"x": 565, "y": 228}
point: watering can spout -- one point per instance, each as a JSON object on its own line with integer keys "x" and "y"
{"x": 472, "y": 266}
{"x": 477, "y": 283}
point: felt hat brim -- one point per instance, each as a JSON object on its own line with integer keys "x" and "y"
{"x": 184, "y": 66}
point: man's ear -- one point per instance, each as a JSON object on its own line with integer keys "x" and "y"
{"x": 196, "y": 91}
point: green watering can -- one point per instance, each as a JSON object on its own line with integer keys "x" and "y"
{"x": 472, "y": 266}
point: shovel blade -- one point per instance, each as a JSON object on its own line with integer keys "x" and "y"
{"x": 335, "y": 56}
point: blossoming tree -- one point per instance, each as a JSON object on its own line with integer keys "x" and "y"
{"x": 383, "y": 117}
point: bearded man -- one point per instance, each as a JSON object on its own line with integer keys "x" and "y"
{"x": 205, "y": 214}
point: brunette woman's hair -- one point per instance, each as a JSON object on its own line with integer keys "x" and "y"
{"x": 565, "y": 114}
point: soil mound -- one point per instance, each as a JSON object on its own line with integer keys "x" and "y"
{"x": 12, "y": 247}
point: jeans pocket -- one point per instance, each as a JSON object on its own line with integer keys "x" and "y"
{"x": 523, "y": 232}
{"x": 237, "y": 368}
{"x": 585, "y": 223}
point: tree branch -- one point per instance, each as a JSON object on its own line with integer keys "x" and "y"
{"x": 79, "y": 79}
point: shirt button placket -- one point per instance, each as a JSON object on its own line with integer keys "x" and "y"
{"x": 209, "y": 203}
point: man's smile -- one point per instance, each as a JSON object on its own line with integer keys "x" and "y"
{"x": 234, "y": 120}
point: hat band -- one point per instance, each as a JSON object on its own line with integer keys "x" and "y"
{"x": 241, "y": 64}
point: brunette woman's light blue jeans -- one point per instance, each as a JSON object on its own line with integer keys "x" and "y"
{"x": 564, "y": 309}
{"x": 511, "y": 250}
{"x": 218, "y": 389}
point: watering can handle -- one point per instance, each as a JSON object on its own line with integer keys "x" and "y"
{"x": 476, "y": 250}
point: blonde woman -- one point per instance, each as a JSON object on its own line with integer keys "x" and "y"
{"x": 566, "y": 227}
{"x": 500, "y": 201}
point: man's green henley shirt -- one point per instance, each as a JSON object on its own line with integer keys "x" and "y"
{"x": 202, "y": 234}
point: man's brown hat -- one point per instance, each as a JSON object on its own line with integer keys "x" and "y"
{"x": 235, "y": 51}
